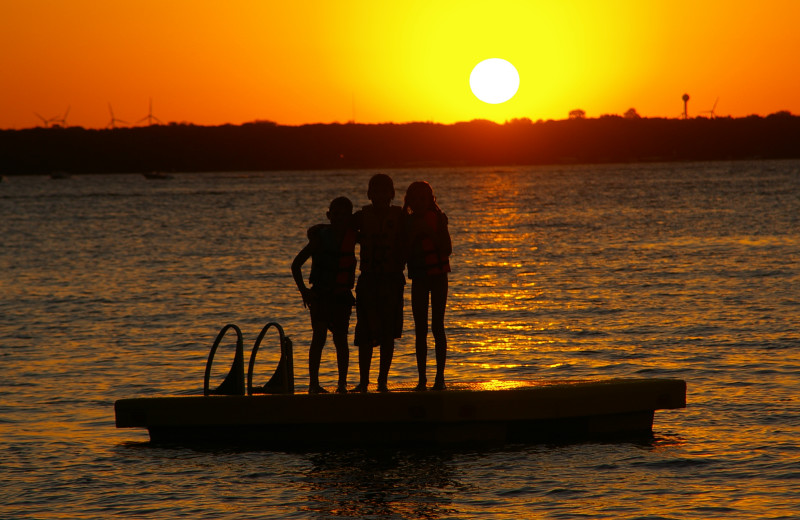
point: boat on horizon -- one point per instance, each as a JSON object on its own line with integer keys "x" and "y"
{"x": 158, "y": 176}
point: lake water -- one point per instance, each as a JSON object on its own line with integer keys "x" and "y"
{"x": 114, "y": 286}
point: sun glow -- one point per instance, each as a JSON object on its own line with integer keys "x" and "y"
{"x": 209, "y": 62}
{"x": 494, "y": 81}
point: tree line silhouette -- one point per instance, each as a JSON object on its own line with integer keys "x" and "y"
{"x": 268, "y": 146}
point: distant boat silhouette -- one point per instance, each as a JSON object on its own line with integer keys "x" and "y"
{"x": 158, "y": 176}
{"x": 60, "y": 175}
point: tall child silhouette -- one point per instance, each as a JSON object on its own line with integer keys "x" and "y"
{"x": 379, "y": 291}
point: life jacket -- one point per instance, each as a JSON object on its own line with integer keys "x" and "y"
{"x": 433, "y": 260}
{"x": 382, "y": 240}
{"x": 333, "y": 264}
{"x": 436, "y": 262}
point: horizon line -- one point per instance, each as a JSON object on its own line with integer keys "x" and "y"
{"x": 517, "y": 120}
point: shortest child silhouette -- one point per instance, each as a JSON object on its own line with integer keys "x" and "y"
{"x": 330, "y": 301}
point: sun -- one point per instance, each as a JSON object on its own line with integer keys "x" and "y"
{"x": 494, "y": 81}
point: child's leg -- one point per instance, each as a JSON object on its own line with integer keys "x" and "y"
{"x": 318, "y": 338}
{"x": 390, "y": 316}
{"x": 363, "y": 335}
{"x": 342, "y": 357}
{"x": 438, "y": 304}
{"x": 419, "y": 308}
{"x": 364, "y": 362}
{"x": 387, "y": 351}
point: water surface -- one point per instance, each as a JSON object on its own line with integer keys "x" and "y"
{"x": 114, "y": 286}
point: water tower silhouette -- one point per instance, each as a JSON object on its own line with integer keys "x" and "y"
{"x": 685, "y": 99}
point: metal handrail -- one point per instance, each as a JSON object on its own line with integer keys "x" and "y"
{"x": 234, "y": 381}
{"x": 282, "y": 381}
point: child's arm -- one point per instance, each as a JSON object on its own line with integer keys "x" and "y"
{"x": 297, "y": 272}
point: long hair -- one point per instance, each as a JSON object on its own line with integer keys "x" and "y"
{"x": 420, "y": 189}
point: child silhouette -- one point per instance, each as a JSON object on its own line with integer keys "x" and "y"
{"x": 379, "y": 291}
{"x": 331, "y": 248}
{"x": 428, "y": 249}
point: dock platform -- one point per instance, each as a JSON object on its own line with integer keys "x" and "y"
{"x": 484, "y": 413}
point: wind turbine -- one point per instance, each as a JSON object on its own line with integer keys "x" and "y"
{"x": 149, "y": 117}
{"x": 114, "y": 120}
{"x": 45, "y": 122}
{"x": 62, "y": 119}
{"x": 711, "y": 113}
{"x": 55, "y": 119}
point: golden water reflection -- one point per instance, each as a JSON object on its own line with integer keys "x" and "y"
{"x": 558, "y": 274}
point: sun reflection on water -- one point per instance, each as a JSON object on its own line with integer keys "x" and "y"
{"x": 568, "y": 273}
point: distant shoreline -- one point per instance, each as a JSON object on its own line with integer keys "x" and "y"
{"x": 268, "y": 146}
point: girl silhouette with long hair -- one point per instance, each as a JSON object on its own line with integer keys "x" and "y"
{"x": 428, "y": 252}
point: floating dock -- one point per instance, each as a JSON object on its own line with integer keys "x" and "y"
{"x": 486, "y": 413}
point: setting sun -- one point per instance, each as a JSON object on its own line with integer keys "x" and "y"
{"x": 494, "y": 81}
{"x": 211, "y": 63}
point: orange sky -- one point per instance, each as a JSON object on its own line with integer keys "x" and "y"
{"x": 213, "y": 62}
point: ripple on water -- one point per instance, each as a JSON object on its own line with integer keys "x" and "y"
{"x": 114, "y": 287}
